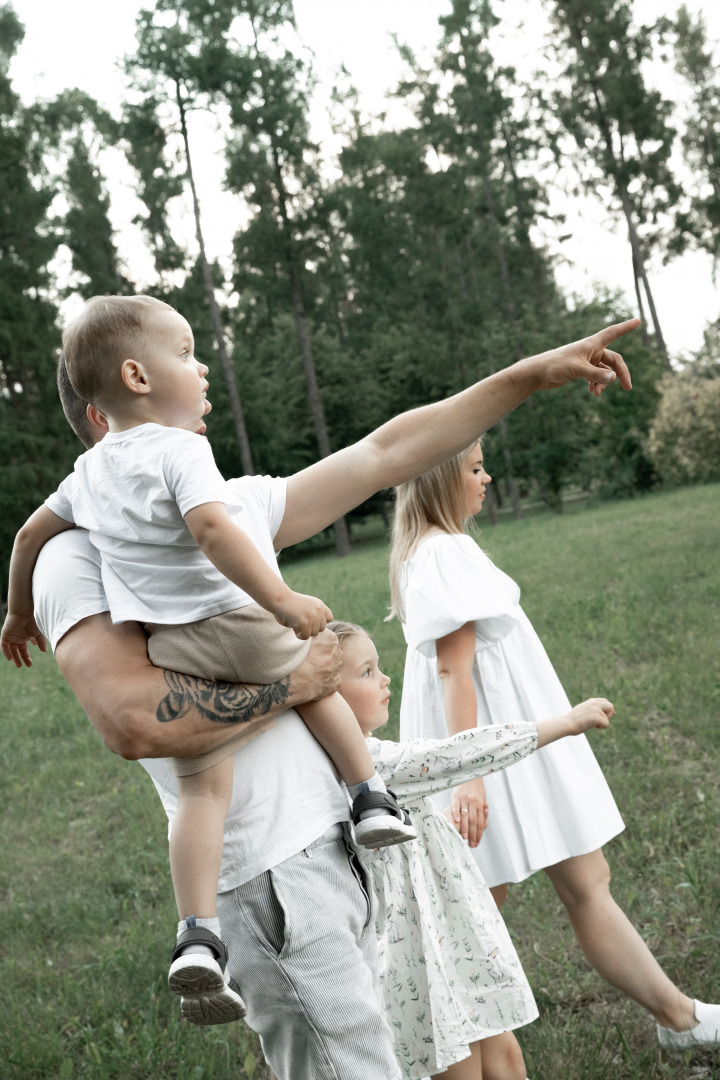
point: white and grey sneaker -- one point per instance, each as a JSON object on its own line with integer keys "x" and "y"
{"x": 705, "y": 1033}
{"x": 209, "y": 995}
{"x": 379, "y": 821}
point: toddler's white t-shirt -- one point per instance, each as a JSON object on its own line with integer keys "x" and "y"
{"x": 131, "y": 493}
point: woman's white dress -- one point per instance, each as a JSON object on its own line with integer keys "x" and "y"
{"x": 557, "y": 803}
{"x": 449, "y": 972}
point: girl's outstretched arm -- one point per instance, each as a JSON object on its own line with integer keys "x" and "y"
{"x": 419, "y": 767}
{"x": 425, "y": 766}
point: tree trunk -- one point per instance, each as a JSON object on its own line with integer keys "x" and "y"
{"x": 343, "y": 546}
{"x": 635, "y": 245}
{"x": 510, "y": 302}
{"x": 342, "y": 533}
{"x": 639, "y": 265}
{"x": 641, "y": 307}
{"x": 230, "y": 382}
{"x": 491, "y": 504}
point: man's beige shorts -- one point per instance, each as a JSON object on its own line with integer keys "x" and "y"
{"x": 246, "y": 645}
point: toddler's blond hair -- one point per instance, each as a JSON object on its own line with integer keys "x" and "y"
{"x": 108, "y": 330}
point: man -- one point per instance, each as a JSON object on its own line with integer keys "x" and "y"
{"x": 294, "y": 901}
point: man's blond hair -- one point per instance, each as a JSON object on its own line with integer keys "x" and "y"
{"x": 108, "y": 330}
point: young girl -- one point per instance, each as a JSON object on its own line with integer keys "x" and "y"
{"x": 452, "y": 985}
{"x": 473, "y": 659}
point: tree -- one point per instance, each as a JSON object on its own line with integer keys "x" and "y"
{"x": 620, "y": 127}
{"x": 145, "y": 138}
{"x": 170, "y": 66}
{"x": 36, "y": 445}
{"x": 74, "y": 132}
{"x": 684, "y": 436}
{"x": 271, "y": 163}
{"x": 696, "y": 63}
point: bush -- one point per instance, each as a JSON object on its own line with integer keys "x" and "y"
{"x": 684, "y": 437}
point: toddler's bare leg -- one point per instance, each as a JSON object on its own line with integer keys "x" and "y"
{"x": 333, "y": 724}
{"x": 377, "y": 818}
{"x": 196, "y": 839}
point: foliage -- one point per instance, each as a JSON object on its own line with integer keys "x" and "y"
{"x": 620, "y": 126}
{"x": 684, "y": 436}
{"x": 36, "y": 446}
{"x": 696, "y": 63}
{"x": 399, "y": 272}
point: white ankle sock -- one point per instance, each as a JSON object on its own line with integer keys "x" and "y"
{"x": 375, "y": 783}
{"x": 209, "y": 924}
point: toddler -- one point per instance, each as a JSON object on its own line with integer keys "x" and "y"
{"x": 155, "y": 506}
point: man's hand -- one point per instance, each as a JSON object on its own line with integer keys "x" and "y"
{"x": 17, "y": 632}
{"x": 470, "y": 811}
{"x": 319, "y": 674}
{"x": 589, "y": 359}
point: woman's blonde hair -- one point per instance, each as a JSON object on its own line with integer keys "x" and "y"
{"x": 435, "y": 499}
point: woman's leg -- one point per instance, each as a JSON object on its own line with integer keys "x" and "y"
{"x": 611, "y": 943}
{"x": 499, "y": 894}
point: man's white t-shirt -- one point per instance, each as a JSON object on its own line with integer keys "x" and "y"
{"x": 131, "y": 492}
{"x": 286, "y": 791}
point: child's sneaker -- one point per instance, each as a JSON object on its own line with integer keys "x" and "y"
{"x": 379, "y": 821}
{"x": 209, "y": 994}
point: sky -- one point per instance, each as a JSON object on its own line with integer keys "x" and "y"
{"x": 79, "y": 42}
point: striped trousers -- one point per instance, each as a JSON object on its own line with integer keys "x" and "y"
{"x": 302, "y": 947}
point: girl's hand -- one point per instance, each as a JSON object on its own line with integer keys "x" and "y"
{"x": 470, "y": 811}
{"x": 16, "y": 633}
{"x": 593, "y": 713}
{"x": 306, "y": 615}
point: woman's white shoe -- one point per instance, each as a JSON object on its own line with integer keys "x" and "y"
{"x": 705, "y": 1033}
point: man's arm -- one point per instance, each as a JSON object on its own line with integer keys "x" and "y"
{"x": 144, "y": 711}
{"x": 415, "y": 441}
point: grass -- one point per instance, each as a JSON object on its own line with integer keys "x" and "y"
{"x": 626, "y": 598}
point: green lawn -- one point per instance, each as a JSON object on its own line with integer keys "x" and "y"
{"x": 626, "y": 598}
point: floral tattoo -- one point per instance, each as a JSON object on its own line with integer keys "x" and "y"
{"x": 222, "y": 702}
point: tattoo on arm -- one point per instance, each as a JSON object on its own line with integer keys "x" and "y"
{"x": 222, "y": 702}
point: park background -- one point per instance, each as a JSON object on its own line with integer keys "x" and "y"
{"x": 348, "y": 256}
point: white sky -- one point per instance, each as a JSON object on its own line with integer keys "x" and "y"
{"x": 78, "y": 43}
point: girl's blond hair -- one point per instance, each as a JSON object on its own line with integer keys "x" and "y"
{"x": 434, "y": 500}
{"x": 346, "y": 629}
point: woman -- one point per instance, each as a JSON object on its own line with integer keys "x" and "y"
{"x": 474, "y": 659}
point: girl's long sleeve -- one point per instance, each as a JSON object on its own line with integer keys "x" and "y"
{"x": 420, "y": 767}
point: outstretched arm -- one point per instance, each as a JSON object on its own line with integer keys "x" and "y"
{"x": 144, "y": 711}
{"x": 425, "y": 766}
{"x": 420, "y": 767}
{"x": 20, "y": 626}
{"x": 415, "y": 441}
